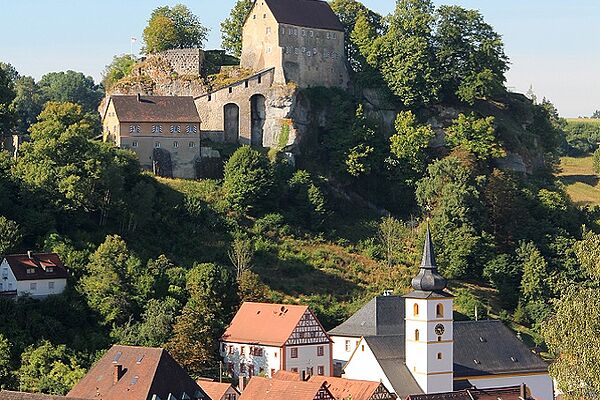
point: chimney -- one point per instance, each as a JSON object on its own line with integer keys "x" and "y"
{"x": 523, "y": 394}
{"x": 29, "y": 254}
{"x": 139, "y": 98}
{"x": 241, "y": 384}
{"x": 117, "y": 373}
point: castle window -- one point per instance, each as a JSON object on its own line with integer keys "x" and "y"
{"x": 303, "y": 50}
{"x": 334, "y": 35}
{"x": 264, "y": 15}
{"x": 175, "y": 129}
{"x": 209, "y": 97}
{"x": 246, "y": 83}
{"x": 156, "y": 128}
{"x": 328, "y": 35}
{"x": 315, "y": 51}
{"x": 295, "y": 31}
{"x": 439, "y": 311}
{"x": 176, "y": 144}
{"x": 134, "y": 143}
{"x": 157, "y": 145}
{"x": 290, "y": 31}
{"x": 320, "y": 370}
{"x": 254, "y": 16}
{"x": 416, "y": 335}
{"x": 259, "y": 79}
{"x": 296, "y": 50}
{"x": 192, "y": 144}
{"x": 439, "y": 356}
{"x": 268, "y": 30}
{"x": 415, "y": 309}
{"x": 231, "y": 89}
{"x": 303, "y": 32}
{"x": 191, "y": 129}
{"x": 311, "y": 33}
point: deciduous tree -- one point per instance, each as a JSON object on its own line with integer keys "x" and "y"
{"x": 231, "y": 27}
{"x": 71, "y": 86}
{"x": 173, "y": 28}
{"x": 119, "y": 68}
{"x": 477, "y": 135}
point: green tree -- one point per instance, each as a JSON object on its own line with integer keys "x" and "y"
{"x": 156, "y": 327}
{"x": 173, "y": 28}
{"x": 504, "y": 274}
{"x": 306, "y": 200}
{"x": 596, "y": 161}
{"x": 46, "y": 368}
{"x": 410, "y": 141}
{"x": 107, "y": 284}
{"x": 231, "y": 27}
{"x": 572, "y": 336}
{"x": 587, "y": 251}
{"x": 470, "y": 54}
{"x": 6, "y": 375}
{"x": 28, "y": 103}
{"x": 251, "y": 288}
{"x": 389, "y": 234}
{"x": 119, "y": 68}
{"x": 7, "y": 94}
{"x": 71, "y": 86}
{"x": 477, "y": 135}
{"x": 596, "y": 114}
{"x": 210, "y": 307}
{"x": 247, "y": 180}
{"x": 405, "y": 54}
{"x": 10, "y": 235}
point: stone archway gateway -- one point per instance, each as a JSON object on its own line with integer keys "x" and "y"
{"x": 257, "y": 118}
{"x": 231, "y": 113}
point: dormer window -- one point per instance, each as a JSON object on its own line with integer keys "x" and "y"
{"x": 49, "y": 269}
{"x": 134, "y": 129}
{"x": 30, "y": 271}
{"x": 175, "y": 129}
{"x": 156, "y": 128}
{"x": 191, "y": 129}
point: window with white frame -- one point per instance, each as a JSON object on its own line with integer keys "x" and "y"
{"x": 30, "y": 271}
{"x": 315, "y": 51}
{"x": 191, "y": 129}
{"x": 176, "y": 144}
{"x": 33, "y": 286}
{"x": 328, "y": 35}
{"x": 320, "y": 351}
{"x": 134, "y": 143}
{"x": 157, "y": 145}
{"x": 49, "y": 270}
{"x": 311, "y": 33}
{"x": 347, "y": 345}
{"x": 51, "y": 285}
{"x": 175, "y": 129}
{"x": 303, "y": 32}
{"x": 296, "y": 50}
{"x": 156, "y": 128}
{"x": 268, "y": 30}
{"x": 295, "y": 31}
{"x": 290, "y": 31}
{"x": 192, "y": 144}
{"x": 303, "y": 50}
{"x": 333, "y": 35}
{"x": 294, "y": 352}
{"x": 321, "y": 370}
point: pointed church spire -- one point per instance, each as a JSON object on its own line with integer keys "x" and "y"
{"x": 429, "y": 279}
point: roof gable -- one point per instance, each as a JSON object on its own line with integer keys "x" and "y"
{"x": 507, "y": 393}
{"x": 165, "y": 109}
{"x": 44, "y": 266}
{"x": 264, "y": 323}
{"x": 353, "y": 389}
{"x": 216, "y": 390}
{"x": 315, "y": 14}
{"x": 146, "y": 371}
{"x": 276, "y": 389}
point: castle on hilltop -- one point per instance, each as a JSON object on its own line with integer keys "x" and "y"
{"x": 286, "y": 44}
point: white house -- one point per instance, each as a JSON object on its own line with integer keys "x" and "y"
{"x": 265, "y": 338}
{"x": 413, "y": 345}
{"x": 34, "y": 274}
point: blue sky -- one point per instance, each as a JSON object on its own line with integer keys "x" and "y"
{"x": 553, "y": 44}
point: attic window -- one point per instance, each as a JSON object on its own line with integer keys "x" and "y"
{"x": 476, "y": 361}
{"x": 31, "y": 270}
{"x": 209, "y": 97}
{"x": 117, "y": 356}
{"x": 139, "y": 359}
{"x": 49, "y": 269}
{"x": 514, "y": 359}
{"x": 254, "y": 16}
{"x": 482, "y": 339}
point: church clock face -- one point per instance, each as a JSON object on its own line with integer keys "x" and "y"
{"x": 439, "y": 329}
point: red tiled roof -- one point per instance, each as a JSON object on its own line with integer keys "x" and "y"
{"x": 146, "y": 372}
{"x": 340, "y": 388}
{"x": 214, "y": 390}
{"x": 10, "y": 395}
{"x": 19, "y": 263}
{"x": 276, "y": 389}
{"x": 181, "y": 109}
{"x": 305, "y": 13}
{"x": 263, "y": 323}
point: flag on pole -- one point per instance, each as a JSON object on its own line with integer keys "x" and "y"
{"x": 133, "y": 40}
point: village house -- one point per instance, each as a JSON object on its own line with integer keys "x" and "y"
{"x": 274, "y": 389}
{"x": 33, "y": 274}
{"x": 163, "y": 131}
{"x": 302, "y": 39}
{"x": 508, "y": 393}
{"x": 341, "y": 388}
{"x": 413, "y": 345}
{"x": 219, "y": 390}
{"x": 265, "y": 338}
{"x": 137, "y": 373}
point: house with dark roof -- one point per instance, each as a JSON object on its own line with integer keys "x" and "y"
{"x": 413, "y": 345}
{"x": 163, "y": 131}
{"x": 275, "y": 389}
{"x": 11, "y": 395}
{"x": 264, "y": 338}
{"x": 508, "y": 393}
{"x": 302, "y": 39}
{"x": 137, "y": 373}
{"x": 33, "y": 274}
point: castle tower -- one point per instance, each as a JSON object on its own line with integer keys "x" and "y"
{"x": 429, "y": 327}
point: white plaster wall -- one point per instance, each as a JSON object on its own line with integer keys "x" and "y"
{"x": 270, "y": 360}
{"x": 541, "y": 386}
{"x": 307, "y": 357}
{"x": 339, "y": 347}
{"x": 10, "y": 283}
{"x": 364, "y": 366}
{"x": 42, "y": 287}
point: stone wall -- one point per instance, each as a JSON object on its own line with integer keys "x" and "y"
{"x": 184, "y": 61}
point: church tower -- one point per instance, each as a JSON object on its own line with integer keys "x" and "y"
{"x": 429, "y": 327}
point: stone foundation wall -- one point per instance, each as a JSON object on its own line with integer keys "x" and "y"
{"x": 185, "y": 61}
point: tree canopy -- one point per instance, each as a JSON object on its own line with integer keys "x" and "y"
{"x": 71, "y": 86}
{"x": 173, "y": 28}
{"x": 231, "y": 27}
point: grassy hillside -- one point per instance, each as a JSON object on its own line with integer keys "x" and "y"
{"x": 589, "y": 121}
{"x": 577, "y": 173}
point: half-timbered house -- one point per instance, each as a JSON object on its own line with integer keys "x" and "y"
{"x": 275, "y": 389}
{"x": 265, "y": 338}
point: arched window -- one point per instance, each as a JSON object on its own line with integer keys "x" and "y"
{"x": 416, "y": 335}
{"x": 439, "y": 356}
{"x": 439, "y": 311}
{"x": 415, "y": 309}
